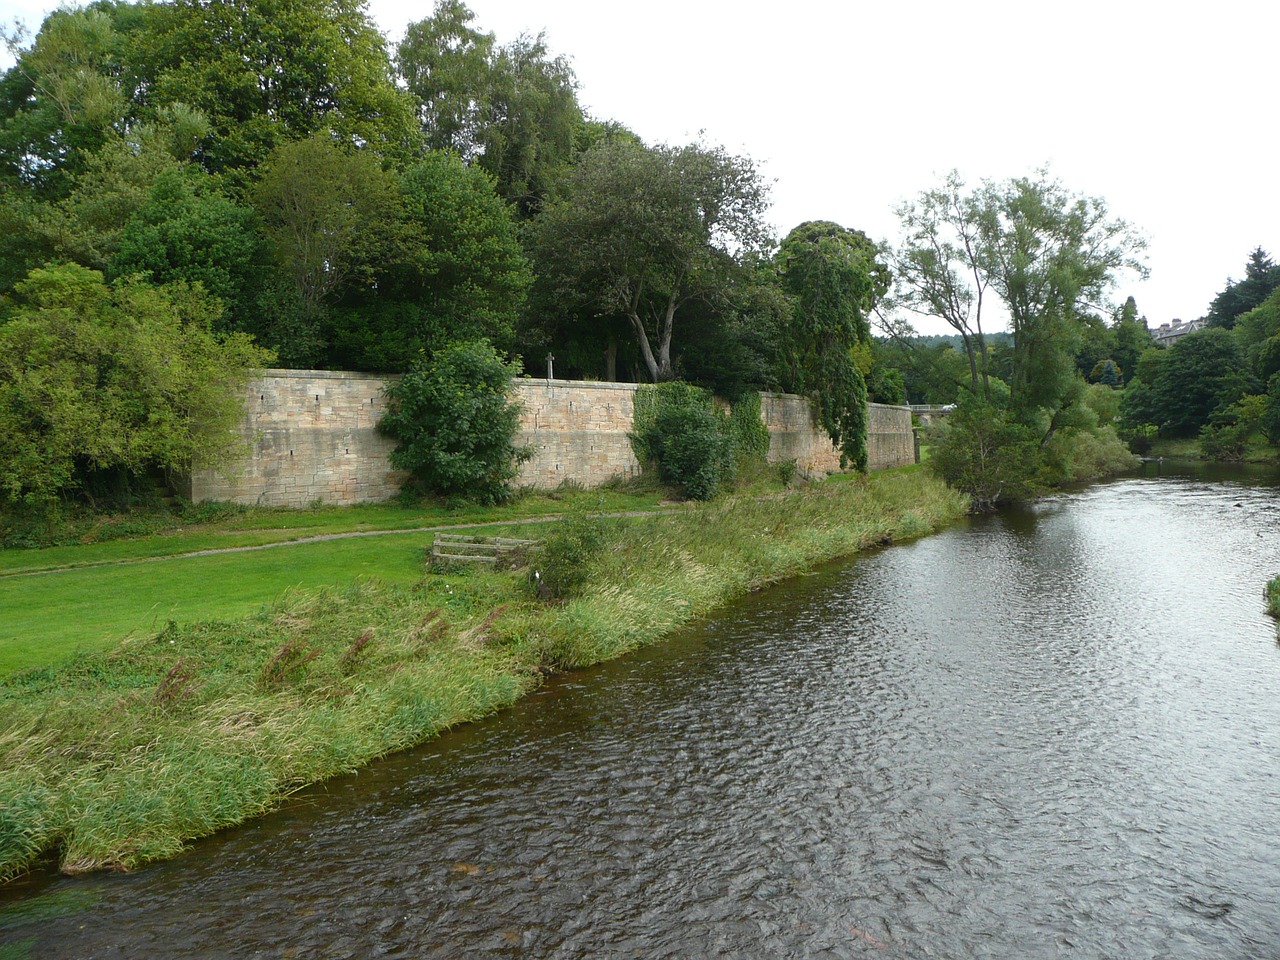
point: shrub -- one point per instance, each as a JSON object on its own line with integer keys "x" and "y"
{"x": 697, "y": 450}
{"x": 650, "y": 401}
{"x": 455, "y": 424}
{"x": 678, "y": 430}
{"x": 750, "y": 435}
{"x": 562, "y": 563}
{"x": 983, "y": 452}
{"x": 1273, "y": 597}
{"x": 1230, "y": 428}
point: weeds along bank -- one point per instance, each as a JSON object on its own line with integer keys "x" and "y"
{"x": 121, "y": 758}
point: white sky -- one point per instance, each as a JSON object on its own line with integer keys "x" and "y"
{"x": 1168, "y": 111}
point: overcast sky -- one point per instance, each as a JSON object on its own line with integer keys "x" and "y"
{"x": 1166, "y": 111}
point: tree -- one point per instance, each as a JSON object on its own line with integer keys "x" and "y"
{"x": 512, "y": 110}
{"x": 126, "y": 378}
{"x": 447, "y": 65}
{"x": 639, "y": 233}
{"x": 1129, "y": 337}
{"x": 1258, "y": 332}
{"x": 1049, "y": 253}
{"x": 61, "y": 101}
{"x": 833, "y": 280}
{"x": 189, "y": 231}
{"x": 458, "y": 272}
{"x": 454, "y": 423}
{"x": 986, "y": 454}
{"x": 939, "y": 270}
{"x": 267, "y": 71}
{"x": 1198, "y": 374}
{"x": 1261, "y": 277}
{"x": 1107, "y": 372}
{"x": 329, "y": 213}
{"x": 533, "y": 123}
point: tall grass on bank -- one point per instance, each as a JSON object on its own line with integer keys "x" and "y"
{"x": 121, "y": 758}
{"x": 1273, "y": 597}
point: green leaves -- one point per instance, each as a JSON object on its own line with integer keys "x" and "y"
{"x": 454, "y": 424}
{"x": 96, "y": 377}
{"x": 833, "y": 279}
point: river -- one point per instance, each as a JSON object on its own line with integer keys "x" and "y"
{"x": 1050, "y": 732}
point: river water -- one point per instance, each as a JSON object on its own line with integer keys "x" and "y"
{"x": 1050, "y": 732}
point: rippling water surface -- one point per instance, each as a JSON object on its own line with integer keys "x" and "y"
{"x": 1052, "y": 732}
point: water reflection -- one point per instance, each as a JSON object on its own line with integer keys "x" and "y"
{"x": 1042, "y": 733}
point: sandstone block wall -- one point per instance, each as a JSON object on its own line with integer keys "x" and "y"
{"x": 311, "y": 436}
{"x": 890, "y": 440}
{"x": 577, "y": 431}
{"x": 793, "y": 436}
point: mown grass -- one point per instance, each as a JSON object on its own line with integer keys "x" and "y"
{"x": 170, "y": 535}
{"x": 121, "y": 757}
{"x": 49, "y": 618}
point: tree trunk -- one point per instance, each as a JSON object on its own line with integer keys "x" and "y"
{"x": 611, "y": 359}
{"x": 664, "y": 348}
{"x": 646, "y": 351}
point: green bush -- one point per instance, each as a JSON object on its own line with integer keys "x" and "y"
{"x": 455, "y": 424}
{"x": 1230, "y": 428}
{"x": 1273, "y": 597}
{"x": 678, "y": 430}
{"x": 697, "y": 450}
{"x": 750, "y": 435}
{"x": 981, "y": 451}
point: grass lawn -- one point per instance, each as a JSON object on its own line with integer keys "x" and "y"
{"x": 49, "y": 618}
{"x": 255, "y": 526}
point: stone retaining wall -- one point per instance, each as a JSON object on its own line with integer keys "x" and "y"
{"x": 311, "y": 437}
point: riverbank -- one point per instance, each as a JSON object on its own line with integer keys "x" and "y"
{"x": 1257, "y": 451}
{"x": 121, "y": 758}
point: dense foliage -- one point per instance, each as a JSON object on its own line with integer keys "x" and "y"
{"x": 641, "y": 233}
{"x": 1048, "y": 255}
{"x": 455, "y": 424}
{"x": 1221, "y": 383}
{"x": 678, "y": 430}
{"x": 99, "y": 379}
{"x": 833, "y": 280}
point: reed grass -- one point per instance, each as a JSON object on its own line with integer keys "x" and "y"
{"x": 1273, "y": 597}
{"x": 119, "y": 758}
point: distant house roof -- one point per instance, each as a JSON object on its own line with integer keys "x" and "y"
{"x": 1169, "y": 333}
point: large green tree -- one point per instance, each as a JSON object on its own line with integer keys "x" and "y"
{"x": 1179, "y": 388}
{"x": 126, "y": 378}
{"x": 61, "y": 100}
{"x": 329, "y": 212}
{"x": 268, "y": 71}
{"x": 833, "y": 279}
{"x": 1049, "y": 256}
{"x": 511, "y": 109}
{"x": 640, "y": 233}
{"x": 188, "y": 231}
{"x": 939, "y": 271}
{"x": 1261, "y": 277}
{"x": 457, "y": 272}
